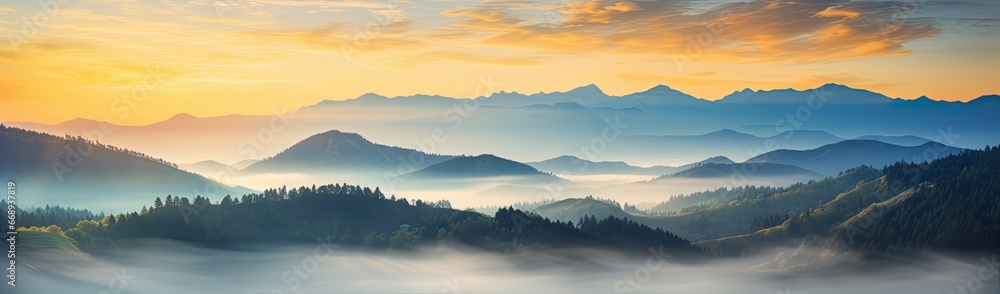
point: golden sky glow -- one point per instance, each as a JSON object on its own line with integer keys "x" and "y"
{"x": 141, "y": 61}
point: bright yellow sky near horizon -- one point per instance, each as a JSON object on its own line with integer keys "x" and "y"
{"x": 136, "y": 62}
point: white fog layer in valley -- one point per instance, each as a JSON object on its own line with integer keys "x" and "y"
{"x": 158, "y": 266}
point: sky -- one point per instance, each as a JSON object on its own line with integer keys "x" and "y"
{"x": 134, "y": 62}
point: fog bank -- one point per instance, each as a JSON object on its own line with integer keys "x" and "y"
{"x": 158, "y": 266}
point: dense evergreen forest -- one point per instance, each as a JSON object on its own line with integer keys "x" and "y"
{"x": 955, "y": 205}
{"x": 356, "y": 216}
{"x": 950, "y": 203}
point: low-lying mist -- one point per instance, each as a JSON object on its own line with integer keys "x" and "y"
{"x": 159, "y": 266}
{"x": 477, "y": 192}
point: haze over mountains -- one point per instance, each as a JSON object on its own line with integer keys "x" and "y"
{"x": 481, "y": 166}
{"x": 634, "y": 128}
{"x": 336, "y": 151}
{"x": 833, "y": 158}
{"x": 758, "y": 169}
{"x": 644, "y": 146}
{"x": 572, "y": 165}
{"x": 73, "y": 172}
{"x": 838, "y": 201}
{"x": 349, "y": 157}
{"x": 897, "y": 140}
{"x": 724, "y": 142}
{"x": 895, "y": 209}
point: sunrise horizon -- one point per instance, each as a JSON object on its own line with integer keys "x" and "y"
{"x": 73, "y": 59}
{"x": 500, "y": 146}
{"x": 482, "y": 83}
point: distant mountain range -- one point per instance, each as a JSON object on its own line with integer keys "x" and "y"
{"x": 659, "y": 126}
{"x": 186, "y": 138}
{"x": 897, "y": 140}
{"x": 572, "y": 165}
{"x": 818, "y": 95}
{"x": 778, "y": 168}
{"x": 662, "y": 95}
{"x": 658, "y": 96}
{"x": 61, "y": 171}
{"x": 350, "y": 157}
{"x": 718, "y": 170}
{"x": 837, "y": 157}
{"x": 780, "y": 171}
{"x": 724, "y": 142}
{"x": 586, "y": 95}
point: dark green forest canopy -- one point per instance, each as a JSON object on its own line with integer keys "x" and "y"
{"x": 359, "y": 216}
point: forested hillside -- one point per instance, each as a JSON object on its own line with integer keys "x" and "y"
{"x": 950, "y": 203}
{"x": 954, "y": 205}
{"x": 358, "y": 216}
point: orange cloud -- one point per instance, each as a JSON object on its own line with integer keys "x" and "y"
{"x": 758, "y": 31}
{"x": 596, "y": 11}
{"x": 835, "y": 12}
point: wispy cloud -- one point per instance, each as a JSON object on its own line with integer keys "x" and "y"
{"x": 758, "y": 31}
